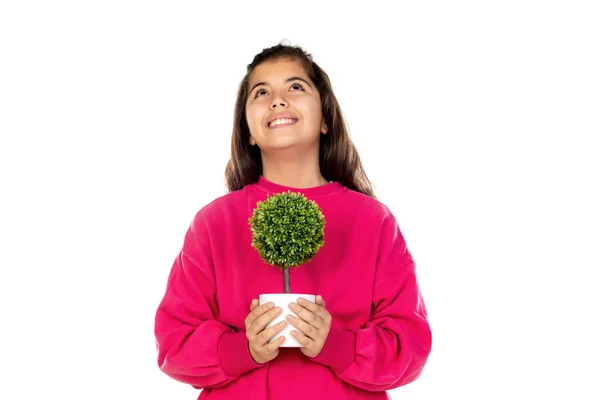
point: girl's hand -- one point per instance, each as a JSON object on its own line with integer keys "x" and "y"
{"x": 258, "y": 337}
{"x": 314, "y": 322}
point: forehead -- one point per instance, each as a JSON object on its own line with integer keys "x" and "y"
{"x": 277, "y": 70}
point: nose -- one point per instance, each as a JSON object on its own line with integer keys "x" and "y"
{"x": 278, "y": 101}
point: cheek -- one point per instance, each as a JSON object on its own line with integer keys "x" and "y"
{"x": 251, "y": 117}
{"x": 314, "y": 110}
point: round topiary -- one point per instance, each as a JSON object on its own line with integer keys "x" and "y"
{"x": 287, "y": 231}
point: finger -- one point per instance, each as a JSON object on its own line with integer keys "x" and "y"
{"x": 303, "y": 340}
{"x": 309, "y": 330}
{"x": 268, "y": 333}
{"x": 254, "y": 304}
{"x": 258, "y": 312}
{"x": 261, "y": 322}
{"x": 271, "y": 347}
{"x": 307, "y": 315}
{"x": 320, "y": 301}
{"x": 316, "y": 309}
{"x": 309, "y": 305}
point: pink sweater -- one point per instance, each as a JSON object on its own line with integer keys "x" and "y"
{"x": 379, "y": 339}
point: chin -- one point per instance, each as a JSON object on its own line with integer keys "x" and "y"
{"x": 280, "y": 146}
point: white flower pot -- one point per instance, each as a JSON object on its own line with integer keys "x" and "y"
{"x": 283, "y": 300}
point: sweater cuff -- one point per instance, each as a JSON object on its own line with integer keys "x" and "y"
{"x": 234, "y": 354}
{"x": 338, "y": 351}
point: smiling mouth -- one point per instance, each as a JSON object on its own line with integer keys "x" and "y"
{"x": 282, "y": 122}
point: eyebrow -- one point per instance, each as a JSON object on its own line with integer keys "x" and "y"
{"x": 293, "y": 78}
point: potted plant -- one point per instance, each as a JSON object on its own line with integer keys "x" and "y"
{"x": 287, "y": 231}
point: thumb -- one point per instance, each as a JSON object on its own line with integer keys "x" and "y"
{"x": 254, "y": 304}
{"x": 320, "y": 301}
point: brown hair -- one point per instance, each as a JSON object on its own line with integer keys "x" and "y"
{"x": 338, "y": 158}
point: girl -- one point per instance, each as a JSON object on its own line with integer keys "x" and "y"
{"x": 371, "y": 336}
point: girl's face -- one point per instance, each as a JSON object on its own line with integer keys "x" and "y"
{"x": 283, "y": 109}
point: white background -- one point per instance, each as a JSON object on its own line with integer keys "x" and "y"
{"x": 475, "y": 120}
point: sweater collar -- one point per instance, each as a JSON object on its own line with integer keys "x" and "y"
{"x": 323, "y": 190}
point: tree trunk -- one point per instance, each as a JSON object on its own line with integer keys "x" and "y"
{"x": 286, "y": 280}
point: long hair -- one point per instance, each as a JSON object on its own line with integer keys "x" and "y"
{"x": 338, "y": 158}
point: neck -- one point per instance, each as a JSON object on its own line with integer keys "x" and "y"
{"x": 293, "y": 172}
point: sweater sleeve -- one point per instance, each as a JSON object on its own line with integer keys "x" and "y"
{"x": 193, "y": 346}
{"x": 392, "y": 348}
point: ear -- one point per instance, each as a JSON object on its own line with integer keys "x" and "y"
{"x": 252, "y": 141}
{"x": 324, "y": 129}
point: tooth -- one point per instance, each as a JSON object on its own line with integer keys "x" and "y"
{"x": 280, "y": 121}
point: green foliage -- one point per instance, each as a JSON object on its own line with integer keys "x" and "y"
{"x": 287, "y": 229}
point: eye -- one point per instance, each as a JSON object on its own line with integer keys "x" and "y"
{"x": 298, "y": 85}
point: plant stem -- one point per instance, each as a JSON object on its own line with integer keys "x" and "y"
{"x": 286, "y": 280}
